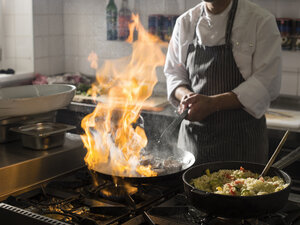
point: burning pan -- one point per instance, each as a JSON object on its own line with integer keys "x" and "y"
{"x": 239, "y": 206}
{"x": 186, "y": 159}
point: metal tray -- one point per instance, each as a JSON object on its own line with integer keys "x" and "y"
{"x": 6, "y": 135}
{"x": 42, "y": 136}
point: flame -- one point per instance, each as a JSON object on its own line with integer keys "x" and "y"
{"x": 113, "y": 144}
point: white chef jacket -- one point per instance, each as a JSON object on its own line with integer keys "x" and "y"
{"x": 256, "y": 48}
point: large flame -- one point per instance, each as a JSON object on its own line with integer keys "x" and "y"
{"x": 113, "y": 144}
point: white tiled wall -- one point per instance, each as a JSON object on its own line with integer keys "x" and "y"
{"x": 49, "y": 43}
{"x": 85, "y": 31}
{"x": 56, "y": 36}
{"x": 291, "y": 66}
{"x": 17, "y": 35}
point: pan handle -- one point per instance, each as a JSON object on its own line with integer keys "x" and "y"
{"x": 198, "y": 192}
{"x": 288, "y": 159}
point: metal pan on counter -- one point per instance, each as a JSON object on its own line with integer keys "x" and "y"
{"x": 42, "y": 136}
{"x": 244, "y": 207}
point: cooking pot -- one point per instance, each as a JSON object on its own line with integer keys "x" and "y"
{"x": 239, "y": 206}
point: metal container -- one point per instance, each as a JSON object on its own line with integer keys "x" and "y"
{"x": 42, "y": 136}
{"x": 6, "y": 135}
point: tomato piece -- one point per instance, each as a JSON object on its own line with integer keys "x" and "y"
{"x": 232, "y": 192}
{"x": 238, "y": 182}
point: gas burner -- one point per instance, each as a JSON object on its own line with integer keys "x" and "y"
{"x": 117, "y": 192}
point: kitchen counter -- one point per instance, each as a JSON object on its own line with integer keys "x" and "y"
{"x": 22, "y": 168}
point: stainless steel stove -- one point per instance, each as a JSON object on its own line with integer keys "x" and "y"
{"x": 75, "y": 199}
{"x": 81, "y": 198}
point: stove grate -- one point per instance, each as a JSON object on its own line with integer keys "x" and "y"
{"x": 16, "y": 215}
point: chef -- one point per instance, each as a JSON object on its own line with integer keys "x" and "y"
{"x": 224, "y": 65}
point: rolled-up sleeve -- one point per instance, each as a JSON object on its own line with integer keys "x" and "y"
{"x": 263, "y": 85}
{"x": 174, "y": 69}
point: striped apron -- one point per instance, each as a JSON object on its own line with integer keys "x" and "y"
{"x": 231, "y": 135}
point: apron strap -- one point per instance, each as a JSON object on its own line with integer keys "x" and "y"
{"x": 230, "y": 22}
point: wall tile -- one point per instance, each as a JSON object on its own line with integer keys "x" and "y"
{"x": 24, "y": 65}
{"x": 153, "y": 6}
{"x": 70, "y": 24}
{"x": 9, "y": 7}
{"x": 84, "y": 66}
{"x": 289, "y": 85}
{"x": 10, "y": 47}
{"x": 56, "y": 65}
{"x": 41, "y": 47}
{"x": 56, "y": 26}
{"x": 40, "y": 7}
{"x": 24, "y": 47}
{"x": 71, "y": 64}
{"x": 72, "y": 6}
{"x": 55, "y": 7}
{"x": 71, "y": 45}
{"x": 191, "y": 3}
{"x": 86, "y": 24}
{"x": 9, "y": 63}
{"x": 113, "y": 49}
{"x": 23, "y": 7}
{"x": 288, "y": 8}
{"x": 56, "y": 46}
{"x": 176, "y": 7}
{"x": 42, "y": 66}
{"x": 41, "y": 25}
{"x": 9, "y": 25}
{"x": 269, "y": 5}
{"x": 23, "y": 25}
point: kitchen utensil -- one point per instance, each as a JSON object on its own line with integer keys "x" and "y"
{"x": 186, "y": 158}
{"x": 34, "y": 99}
{"x": 238, "y": 206}
{"x": 169, "y": 131}
{"x": 276, "y": 152}
{"x": 42, "y": 136}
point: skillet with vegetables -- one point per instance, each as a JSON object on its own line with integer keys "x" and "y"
{"x": 238, "y": 183}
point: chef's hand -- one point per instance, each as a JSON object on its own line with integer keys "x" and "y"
{"x": 200, "y": 106}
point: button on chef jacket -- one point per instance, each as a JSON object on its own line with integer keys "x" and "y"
{"x": 256, "y": 48}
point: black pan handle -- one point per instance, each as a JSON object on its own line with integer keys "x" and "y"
{"x": 198, "y": 192}
{"x": 288, "y": 159}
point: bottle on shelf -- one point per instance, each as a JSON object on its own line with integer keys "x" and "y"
{"x": 124, "y": 20}
{"x": 111, "y": 20}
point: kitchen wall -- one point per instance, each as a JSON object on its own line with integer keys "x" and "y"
{"x": 17, "y": 35}
{"x": 64, "y": 32}
{"x": 291, "y": 67}
{"x": 48, "y": 34}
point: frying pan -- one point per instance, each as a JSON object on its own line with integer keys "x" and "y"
{"x": 163, "y": 151}
{"x": 239, "y": 206}
{"x": 186, "y": 158}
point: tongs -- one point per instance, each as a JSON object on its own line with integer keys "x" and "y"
{"x": 171, "y": 128}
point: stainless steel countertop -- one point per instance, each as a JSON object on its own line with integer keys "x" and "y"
{"x": 21, "y": 168}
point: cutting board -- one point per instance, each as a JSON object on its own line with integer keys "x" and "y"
{"x": 285, "y": 119}
{"x": 151, "y": 104}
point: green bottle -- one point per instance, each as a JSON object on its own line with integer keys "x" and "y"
{"x": 111, "y": 20}
{"x": 124, "y": 20}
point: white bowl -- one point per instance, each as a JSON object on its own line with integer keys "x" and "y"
{"x": 34, "y": 99}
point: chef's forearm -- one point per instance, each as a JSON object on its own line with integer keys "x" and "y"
{"x": 226, "y": 101}
{"x": 181, "y": 91}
